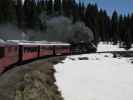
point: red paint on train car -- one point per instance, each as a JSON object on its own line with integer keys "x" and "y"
{"x": 46, "y": 53}
{"x": 29, "y": 55}
{"x": 10, "y": 56}
{"x": 2, "y": 64}
{"x": 46, "y": 50}
{"x": 12, "y": 53}
{"x": 29, "y": 52}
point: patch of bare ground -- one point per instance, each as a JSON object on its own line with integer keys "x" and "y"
{"x": 32, "y": 81}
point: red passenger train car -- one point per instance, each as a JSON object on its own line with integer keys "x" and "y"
{"x": 8, "y": 55}
{"x": 12, "y": 52}
{"x": 45, "y": 50}
{"x": 27, "y": 51}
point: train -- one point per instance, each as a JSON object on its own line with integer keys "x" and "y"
{"x": 16, "y": 52}
{"x": 83, "y": 47}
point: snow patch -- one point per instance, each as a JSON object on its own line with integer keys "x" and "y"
{"x": 101, "y": 77}
{"x": 103, "y": 47}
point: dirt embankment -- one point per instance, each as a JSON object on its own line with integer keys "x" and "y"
{"x": 33, "y": 81}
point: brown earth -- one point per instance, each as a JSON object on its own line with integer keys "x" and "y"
{"x": 32, "y": 81}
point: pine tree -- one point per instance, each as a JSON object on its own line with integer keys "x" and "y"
{"x": 65, "y": 6}
{"x": 49, "y": 4}
{"x": 41, "y": 6}
{"x": 131, "y": 26}
{"x": 30, "y": 15}
{"x": 101, "y": 22}
{"x": 19, "y": 13}
{"x": 115, "y": 26}
{"x": 57, "y": 6}
{"x": 128, "y": 40}
{"x": 75, "y": 12}
{"x": 68, "y": 7}
{"x": 7, "y": 10}
{"x": 81, "y": 11}
{"x": 91, "y": 19}
{"x": 121, "y": 30}
{"x": 104, "y": 26}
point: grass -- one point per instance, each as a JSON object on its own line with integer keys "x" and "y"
{"x": 32, "y": 81}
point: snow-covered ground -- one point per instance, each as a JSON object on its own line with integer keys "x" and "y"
{"x": 97, "y": 77}
{"x": 102, "y": 46}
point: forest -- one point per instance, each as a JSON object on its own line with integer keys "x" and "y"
{"x": 116, "y": 27}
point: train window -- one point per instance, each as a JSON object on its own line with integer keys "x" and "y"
{"x": 34, "y": 49}
{"x": 43, "y": 48}
{"x": 2, "y": 52}
{"x": 26, "y": 49}
{"x": 47, "y": 48}
{"x": 50, "y": 47}
{"x": 30, "y": 49}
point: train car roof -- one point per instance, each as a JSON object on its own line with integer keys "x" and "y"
{"x": 21, "y": 42}
{"x": 34, "y": 43}
{"x": 5, "y": 43}
{"x": 2, "y": 42}
{"x": 59, "y": 44}
{"x": 50, "y": 43}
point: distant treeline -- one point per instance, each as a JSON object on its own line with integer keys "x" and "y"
{"x": 106, "y": 28}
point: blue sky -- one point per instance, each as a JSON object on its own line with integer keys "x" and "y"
{"x": 121, "y": 6}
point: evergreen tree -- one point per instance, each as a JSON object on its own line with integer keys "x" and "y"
{"x": 57, "y": 6}
{"x": 128, "y": 40}
{"x": 49, "y": 4}
{"x": 19, "y": 13}
{"x": 68, "y": 7}
{"x": 30, "y": 15}
{"x": 101, "y": 22}
{"x": 114, "y": 22}
{"x": 121, "y": 28}
{"x": 104, "y": 26}
{"x": 81, "y": 11}
{"x": 41, "y": 6}
{"x": 75, "y": 12}
{"x": 65, "y": 6}
{"x": 131, "y": 26}
{"x": 7, "y": 10}
{"x": 91, "y": 19}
